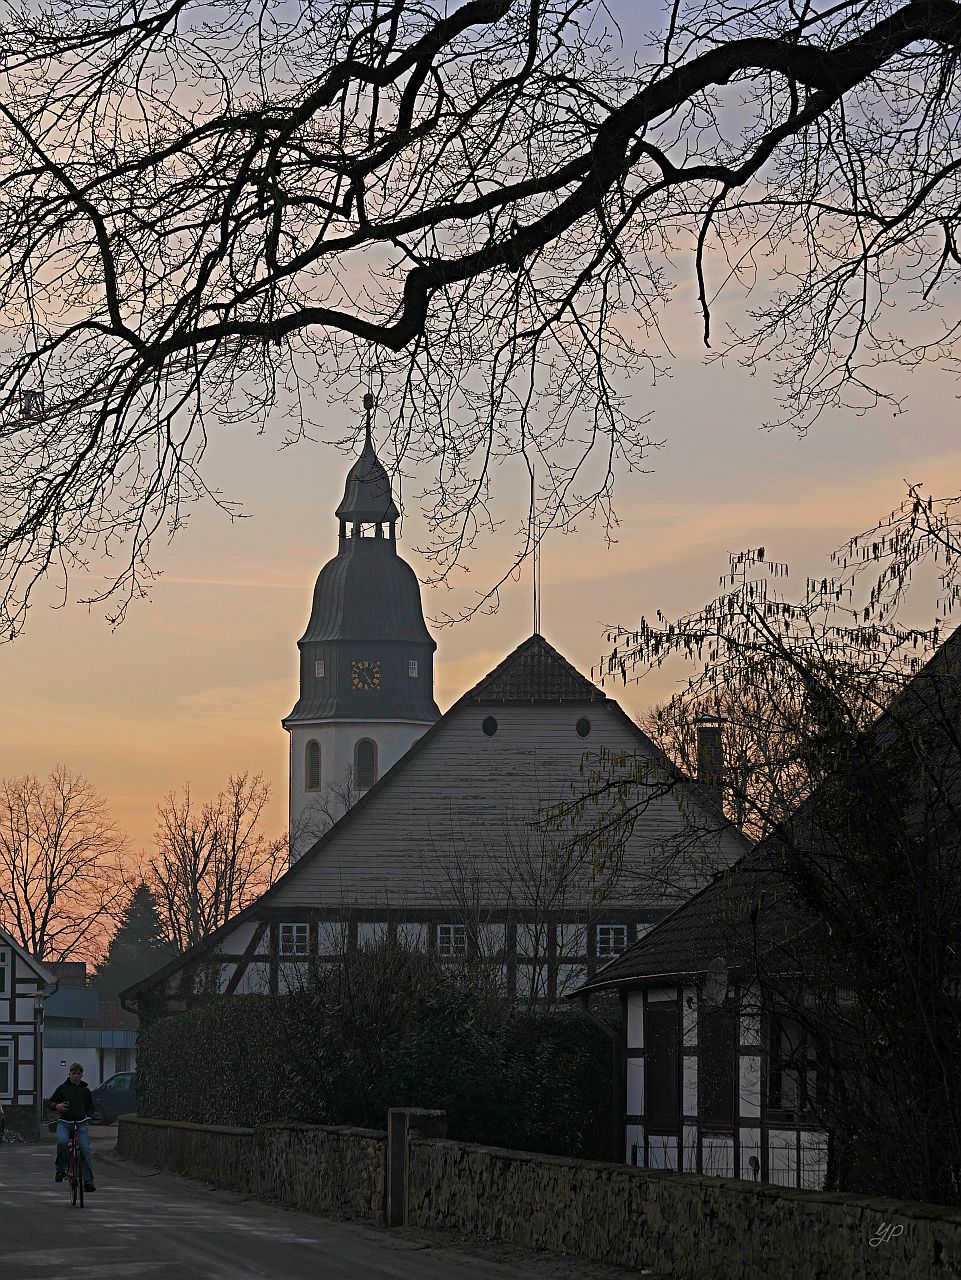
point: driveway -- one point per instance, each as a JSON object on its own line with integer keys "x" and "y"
{"x": 144, "y": 1224}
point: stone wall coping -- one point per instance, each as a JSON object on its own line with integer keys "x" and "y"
{"x": 241, "y": 1131}
{"x": 149, "y": 1121}
{"x": 885, "y": 1208}
{"x": 348, "y": 1130}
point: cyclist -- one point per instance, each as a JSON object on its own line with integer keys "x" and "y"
{"x": 73, "y": 1103}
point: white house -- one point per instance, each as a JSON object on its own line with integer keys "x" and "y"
{"x": 24, "y": 985}
{"x": 454, "y": 849}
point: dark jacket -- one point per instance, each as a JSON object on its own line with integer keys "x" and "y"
{"x": 77, "y": 1097}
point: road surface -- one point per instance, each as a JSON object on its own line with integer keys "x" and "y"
{"x": 141, "y": 1225}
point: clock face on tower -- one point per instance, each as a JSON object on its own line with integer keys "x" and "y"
{"x": 365, "y": 674}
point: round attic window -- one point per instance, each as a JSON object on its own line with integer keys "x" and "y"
{"x": 489, "y": 726}
{"x": 583, "y": 727}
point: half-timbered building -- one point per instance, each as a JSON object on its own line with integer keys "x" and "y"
{"x": 723, "y": 1073}
{"x": 24, "y": 985}
{"x": 478, "y": 844}
{"x": 715, "y": 1082}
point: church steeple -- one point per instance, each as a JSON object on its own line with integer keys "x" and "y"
{"x": 366, "y": 657}
{"x": 367, "y": 496}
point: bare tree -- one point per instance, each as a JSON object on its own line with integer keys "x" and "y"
{"x": 321, "y": 810}
{"x": 212, "y": 861}
{"x": 60, "y": 873}
{"x": 205, "y": 211}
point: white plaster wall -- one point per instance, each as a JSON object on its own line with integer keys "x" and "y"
{"x": 54, "y": 1073}
{"x": 337, "y": 741}
{"x": 749, "y": 1144}
{"x": 237, "y": 942}
{"x": 635, "y": 1020}
{"x": 717, "y": 1156}
{"x": 690, "y": 1149}
{"x": 635, "y": 1086}
{"x": 749, "y": 1093}
{"x": 689, "y": 1084}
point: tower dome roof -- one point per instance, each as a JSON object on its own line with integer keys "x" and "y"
{"x": 369, "y": 593}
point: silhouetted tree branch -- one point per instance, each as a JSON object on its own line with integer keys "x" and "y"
{"x": 208, "y": 209}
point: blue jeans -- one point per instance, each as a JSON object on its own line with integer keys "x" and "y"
{"x": 63, "y": 1137}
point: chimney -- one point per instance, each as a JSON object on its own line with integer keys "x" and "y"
{"x": 710, "y": 754}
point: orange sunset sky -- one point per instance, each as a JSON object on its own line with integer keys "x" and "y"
{"x": 193, "y": 685}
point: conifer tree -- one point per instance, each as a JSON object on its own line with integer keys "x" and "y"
{"x": 137, "y": 948}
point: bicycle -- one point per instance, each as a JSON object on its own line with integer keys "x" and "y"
{"x": 75, "y": 1166}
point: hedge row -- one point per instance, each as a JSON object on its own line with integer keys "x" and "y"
{"x": 504, "y": 1078}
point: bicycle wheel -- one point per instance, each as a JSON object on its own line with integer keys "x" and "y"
{"x": 80, "y": 1184}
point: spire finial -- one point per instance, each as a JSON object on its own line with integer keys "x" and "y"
{"x": 369, "y": 403}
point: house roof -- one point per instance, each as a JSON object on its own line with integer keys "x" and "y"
{"x": 7, "y": 940}
{"x": 750, "y": 908}
{"x": 533, "y": 673}
{"x": 749, "y": 905}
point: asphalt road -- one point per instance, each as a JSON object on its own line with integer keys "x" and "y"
{"x": 142, "y": 1224}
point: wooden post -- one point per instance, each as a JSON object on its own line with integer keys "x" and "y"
{"x": 403, "y": 1123}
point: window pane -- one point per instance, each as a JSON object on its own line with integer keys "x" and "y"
{"x": 295, "y": 939}
{"x": 452, "y": 941}
{"x": 412, "y": 668}
{"x": 611, "y": 940}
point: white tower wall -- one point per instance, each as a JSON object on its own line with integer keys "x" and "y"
{"x": 312, "y": 812}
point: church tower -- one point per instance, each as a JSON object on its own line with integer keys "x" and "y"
{"x": 366, "y": 660}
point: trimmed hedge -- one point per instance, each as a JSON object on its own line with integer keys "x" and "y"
{"x": 504, "y": 1079}
{"x": 221, "y": 1063}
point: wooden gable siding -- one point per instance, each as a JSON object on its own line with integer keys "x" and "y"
{"x": 457, "y": 812}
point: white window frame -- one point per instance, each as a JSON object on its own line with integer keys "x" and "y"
{"x": 452, "y": 941}
{"x": 293, "y": 939}
{"x": 6, "y": 1057}
{"x": 319, "y": 668}
{"x": 607, "y": 949}
{"x": 412, "y": 668}
{"x": 6, "y": 972}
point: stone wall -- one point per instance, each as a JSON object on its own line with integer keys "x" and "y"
{"x": 325, "y": 1169}
{"x": 213, "y": 1153}
{"x": 675, "y": 1224}
{"x": 320, "y": 1168}
{"x": 680, "y": 1225}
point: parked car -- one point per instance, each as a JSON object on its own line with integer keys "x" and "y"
{"x": 115, "y": 1097}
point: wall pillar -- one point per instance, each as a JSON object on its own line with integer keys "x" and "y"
{"x": 404, "y": 1123}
